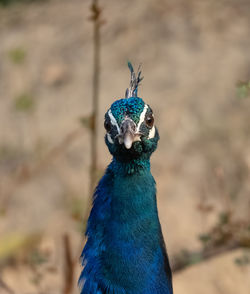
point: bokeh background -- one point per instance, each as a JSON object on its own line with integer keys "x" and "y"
{"x": 196, "y": 66}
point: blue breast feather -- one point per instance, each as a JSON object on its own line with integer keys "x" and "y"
{"x": 125, "y": 251}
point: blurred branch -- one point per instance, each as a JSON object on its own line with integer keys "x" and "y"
{"x": 95, "y": 17}
{"x": 227, "y": 234}
{"x": 187, "y": 258}
{"x": 91, "y": 122}
{"x": 68, "y": 266}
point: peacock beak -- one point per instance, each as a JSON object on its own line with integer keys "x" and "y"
{"x": 128, "y": 133}
{"x": 128, "y": 140}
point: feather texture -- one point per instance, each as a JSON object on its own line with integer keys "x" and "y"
{"x": 134, "y": 81}
{"x": 125, "y": 251}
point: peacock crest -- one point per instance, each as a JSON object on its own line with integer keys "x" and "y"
{"x": 134, "y": 81}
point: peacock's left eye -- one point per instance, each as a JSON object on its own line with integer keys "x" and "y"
{"x": 149, "y": 120}
{"x": 107, "y": 126}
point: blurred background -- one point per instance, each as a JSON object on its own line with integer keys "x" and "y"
{"x": 196, "y": 67}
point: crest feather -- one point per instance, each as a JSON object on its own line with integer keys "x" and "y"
{"x": 134, "y": 81}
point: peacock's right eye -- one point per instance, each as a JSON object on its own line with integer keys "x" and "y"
{"x": 149, "y": 120}
{"x": 107, "y": 126}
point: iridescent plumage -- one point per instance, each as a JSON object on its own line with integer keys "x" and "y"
{"x": 125, "y": 251}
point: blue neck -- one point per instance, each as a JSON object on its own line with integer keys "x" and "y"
{"x": 125, "y": 244}
{"x": 133, "y": 167}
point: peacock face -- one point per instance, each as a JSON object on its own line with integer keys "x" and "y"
{"x": 130, "y": 128}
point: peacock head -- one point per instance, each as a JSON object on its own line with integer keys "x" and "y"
{"x": 129, "y": 124}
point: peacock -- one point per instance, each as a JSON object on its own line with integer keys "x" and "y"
{"x": 125, "y": 251}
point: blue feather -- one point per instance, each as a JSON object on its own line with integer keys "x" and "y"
{"x": 125, "y": 252}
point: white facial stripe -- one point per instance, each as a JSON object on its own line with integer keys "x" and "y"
{"x": 110, "y": 139}
{"x": 151, "y": 133}
{"x": 113, "y": 121}
{"x": 142, "y": 117}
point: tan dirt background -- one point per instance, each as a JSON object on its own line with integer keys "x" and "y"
{"x": 193, "y": 54}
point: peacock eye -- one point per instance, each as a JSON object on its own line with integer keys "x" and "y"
{"x": 149, "y": 120}
{"x": 107, "y": 126}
